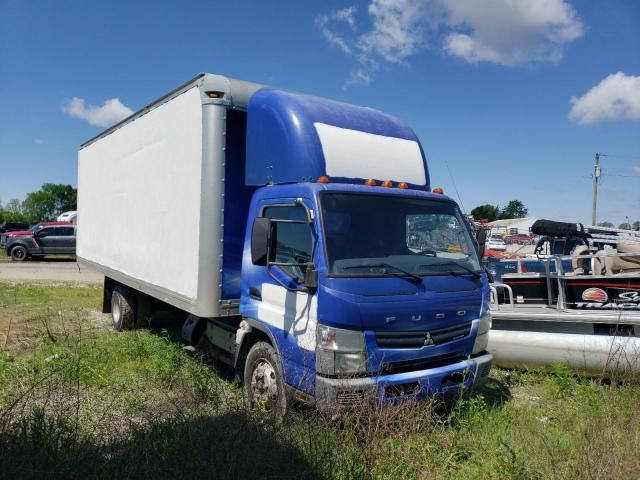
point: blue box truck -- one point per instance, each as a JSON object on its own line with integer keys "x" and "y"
{"x": 299, "y": 234}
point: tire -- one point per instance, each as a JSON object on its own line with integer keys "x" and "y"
{"x": 122, "y": 309}
{"x": 264, "y": 382}
{"x": 19, "y": 253}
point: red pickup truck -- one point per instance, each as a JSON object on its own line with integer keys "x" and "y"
{"x": 47, "y": 238}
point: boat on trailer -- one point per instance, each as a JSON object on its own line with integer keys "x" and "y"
{"x": 581, "y": 309}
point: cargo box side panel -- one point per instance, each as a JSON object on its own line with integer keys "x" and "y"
{"x": 139, "y": 198}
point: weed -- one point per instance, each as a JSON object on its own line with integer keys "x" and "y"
{"x": 85, "y": 402}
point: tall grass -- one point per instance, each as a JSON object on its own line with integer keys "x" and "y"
{"x": 90, "y": 403}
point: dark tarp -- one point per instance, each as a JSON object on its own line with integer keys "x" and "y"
{"x": 558, "y": 229}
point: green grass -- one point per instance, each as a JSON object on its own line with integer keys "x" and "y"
{"x": 6, "y": 258}
{"x": 86, "y": 402}
{"x": 34, "y": 297}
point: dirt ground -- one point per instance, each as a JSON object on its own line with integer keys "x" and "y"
{"x": 60, "y": 270}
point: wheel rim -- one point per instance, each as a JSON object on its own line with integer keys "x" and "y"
{"x": 116, "y": 312}
{"x": 264, "y": 385}
{"x": 18, "y": 254}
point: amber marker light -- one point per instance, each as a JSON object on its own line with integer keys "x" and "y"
{"x": 323, "y": 179}
{"x": 371, "y": 182}
{"x": 387, "y": 183}
{"x": 403, "y": 185}
{"x": 438, "y": 190}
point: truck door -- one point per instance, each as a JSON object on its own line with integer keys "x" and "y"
{"x": 285, "y": 305}
{"x": 65, "y": 240}
{"x": 46, "y": 240}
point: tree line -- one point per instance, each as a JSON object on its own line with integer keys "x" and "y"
{"x": 626, "y": 226}
{"x": 488, "y": 212}
{"x": 516, "y": 209}
{"x": 42, "y": 205}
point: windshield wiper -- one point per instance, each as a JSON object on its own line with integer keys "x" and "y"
{"x": 414, "y": 278}
{"x": 452, "y": 262}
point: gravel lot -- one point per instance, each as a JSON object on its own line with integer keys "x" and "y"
{"x": 49, "y": 270}
{"x": 67, "y": 270}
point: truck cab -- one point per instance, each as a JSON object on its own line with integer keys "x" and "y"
{"x": 368, "y": 286}
{"x": 367, "y": 292}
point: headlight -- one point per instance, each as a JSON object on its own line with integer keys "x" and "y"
{"x": 339, "y": 351}
{"x": 482, "y": 337}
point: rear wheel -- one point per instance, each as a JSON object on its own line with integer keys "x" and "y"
{"x": 264, "y": 382}
{"x": 19, "y": 253}
{"x": 122, "y": 308}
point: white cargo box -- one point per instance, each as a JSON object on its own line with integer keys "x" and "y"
{"x": 151, "y": 196}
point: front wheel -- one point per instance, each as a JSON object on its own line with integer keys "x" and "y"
{"x": 19, "y": 253}
{"x": 264, "y": 382}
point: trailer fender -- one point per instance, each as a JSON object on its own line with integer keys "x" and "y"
{"x": 193, "y": 328}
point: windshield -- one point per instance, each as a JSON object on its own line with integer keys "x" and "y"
{"x": 379, "y": 235}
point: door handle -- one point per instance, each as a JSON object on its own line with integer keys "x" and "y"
{"x": 255, "y": 294}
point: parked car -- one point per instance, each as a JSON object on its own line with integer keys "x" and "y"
{"x": 57, "y": 239}
{"x": 518, "y": 239}
{"x": 495, "y": 242}
{"x": 5, "y": 237}
{"x": 69, "y": 216}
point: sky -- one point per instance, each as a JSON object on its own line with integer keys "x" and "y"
{"x": 510, "y": 99}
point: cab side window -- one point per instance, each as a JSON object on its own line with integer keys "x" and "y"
{"x": 294, "y": 247}
{"x": 64, "y": 231}
{"x": 46, "y": 232}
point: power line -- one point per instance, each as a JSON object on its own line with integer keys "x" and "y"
{"x": 446, "y": 162}
{"x": 632, "y": 157}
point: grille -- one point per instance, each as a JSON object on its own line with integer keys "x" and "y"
{"x": 421, "y": 364}
{"x": 418, "y": 339}
{"x": 400, "y": 339}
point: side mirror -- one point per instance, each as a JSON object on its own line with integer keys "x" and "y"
{"x": 311, "y": 278}
{"x": 260, "y": 241}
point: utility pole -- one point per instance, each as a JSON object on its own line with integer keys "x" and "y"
{"x": 596, "y": 176}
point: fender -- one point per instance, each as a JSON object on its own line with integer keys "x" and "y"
{"x": 23, "y": 242}
{"x": 247, "y": 326}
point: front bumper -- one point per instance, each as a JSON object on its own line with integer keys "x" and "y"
{"x": 344, "y": 392}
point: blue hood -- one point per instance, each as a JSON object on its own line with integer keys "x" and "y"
{"x": 393, "y": 304}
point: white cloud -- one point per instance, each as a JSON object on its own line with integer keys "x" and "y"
{"x": 111, "y": 112}
{"x": 616, "y": 97}
{"x": 508, "y": 32}
{"x": 38, "y": 141}
{"x": 397, "y": 31}
{"x": 504, "y": 32}
{"x": 635, "y": 171}
{"x": 324, "y": 22}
